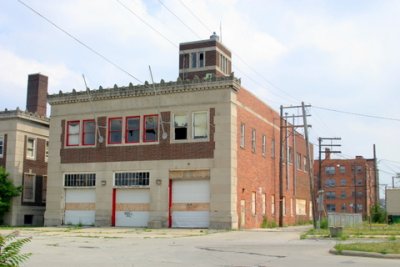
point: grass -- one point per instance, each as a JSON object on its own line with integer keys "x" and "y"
{"x": 363, "y": 231}
{"x": 389, "y": 247}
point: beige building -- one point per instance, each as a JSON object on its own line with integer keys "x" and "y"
{"x": 23, "y": 154}
{"x": 176, "y": 154}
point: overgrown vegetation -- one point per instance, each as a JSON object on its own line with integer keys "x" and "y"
{"x": 361, "y": 231}
{"x": 7, "y": 191}
{"x": 378, "y": 214}
{"x": 390, "y": 247}
{"x": 10, "y": 250}
{"x": 268, "y": 224}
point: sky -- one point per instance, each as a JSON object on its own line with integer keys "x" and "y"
{"x": 341, "y": 57}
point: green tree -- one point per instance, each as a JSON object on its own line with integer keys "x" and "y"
{"x": 378, "y": 214}
{"x": 7, "y": 191}
{"x": 10, "y": 250}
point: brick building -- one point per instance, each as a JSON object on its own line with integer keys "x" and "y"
{"x": 349, "y": 185}
{"x": 23, "y": 153}
{"x": 198, "y": 152}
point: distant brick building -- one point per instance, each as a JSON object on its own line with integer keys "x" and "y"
{"x": 349, "y": 185}
{"x": 198, "y": 152}
{"x": 24, "y": 153}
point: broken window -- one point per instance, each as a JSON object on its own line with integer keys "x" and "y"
{"x": 115, "y": 131}
{"x": 132, "y": 130}
{"x": 150, "y": 128}
{"x": 180, "y": 126}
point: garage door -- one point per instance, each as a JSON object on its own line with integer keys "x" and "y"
{"x": 190, "y": 203}
{"x": 80, "y": 206}
{"x": 132, "y": 207}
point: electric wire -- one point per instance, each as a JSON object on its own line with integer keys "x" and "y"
{"x": 180, "y": 20}
{"x": 146, "y": 23}
{"x": 79, "y": 41}
{"x": 358, "y": 114}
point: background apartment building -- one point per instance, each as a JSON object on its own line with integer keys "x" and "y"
{"x": 349, "y": 185}
{"x": 198, "y": 152}
{"x": 23, "y": 153}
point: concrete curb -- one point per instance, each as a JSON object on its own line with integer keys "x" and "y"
{"x": 364, "y": 254}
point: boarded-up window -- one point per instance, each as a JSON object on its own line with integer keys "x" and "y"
{"x": 253, "y": 203}
{"x": 300, "y": 207}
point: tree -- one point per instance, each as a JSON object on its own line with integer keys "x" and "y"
{"x": 378, "y": 214}
{"x": 10, "y": 250}
{"x": 7, "y": 191}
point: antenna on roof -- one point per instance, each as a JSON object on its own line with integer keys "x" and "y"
{"x": 101, "y": 138}
{"x": 164, "y": 133}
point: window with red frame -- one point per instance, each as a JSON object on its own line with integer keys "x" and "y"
{"x": 150, "y": 128}
{"x": 73, "y": 130}
{"x": 115, "y": 131}
{"x": 89, "y": 132}
{"x": 132, "y": 134}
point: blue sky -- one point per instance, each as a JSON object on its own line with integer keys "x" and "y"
{"x": 341, "y": 55}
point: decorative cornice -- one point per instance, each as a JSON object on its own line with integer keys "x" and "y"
{"x": 162, "y": 88}
{"x": 11, "y": 114}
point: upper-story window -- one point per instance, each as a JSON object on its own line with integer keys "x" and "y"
{"x": 89, "y": 132}
{"x": 223, "y": 64}
{"x": 343, "y": 181}
{"x": 46, "y": 151}
{"x": 132, "y": 133}
{"x": 264, "y": 145}
{"x": 150, "y": 128}
{"x": 181, "y": 127}
{"x": 342, "y": 169}
{"x": 290, "y": 155}
{"x": 298, "y": 161}
{"x": 253, "y": 140}
{"x": 115, "y": 130}
{"x": 200, "y": 125}
{"x": 242, "y": 135}
{"x": 73, "y": 131}
{"x": 30, "y": 148}
{"x": 1, "y": 146}
{"x": 330, "y": 170}
{"x": 197, "y": 59}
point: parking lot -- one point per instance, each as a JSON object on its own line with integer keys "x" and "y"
{"x": 69, "y": 246}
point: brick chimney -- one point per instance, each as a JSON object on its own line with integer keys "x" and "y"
{"x": 327, "y": 153}
{"x": 36, "y": 100}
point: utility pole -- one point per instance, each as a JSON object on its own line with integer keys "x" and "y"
{"x": 284, "y": 125}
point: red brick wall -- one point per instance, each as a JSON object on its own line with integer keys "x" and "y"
{"x": 260, "y": 174}
{"x": 367, "y": 186}
{"x": 164, "y": 150}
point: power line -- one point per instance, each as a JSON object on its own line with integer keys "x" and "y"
{"x": 145, "y": 22}
{"x": 79, "y": 41}
{"x": 195, "y": 16}
{"x": 178, "y": 18}
{"x": 358, "y": 114}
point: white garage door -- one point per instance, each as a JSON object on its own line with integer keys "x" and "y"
{"x": 132, "y": 207}
{"x": 190, "y": 203}
{"x": 80, "y": 206}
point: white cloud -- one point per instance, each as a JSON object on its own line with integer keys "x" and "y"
{"x": 14, "y": 71}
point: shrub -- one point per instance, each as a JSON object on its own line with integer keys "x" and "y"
{"x": 268, "y": 224}
{"x": 7, "y": 191}
{"x": 378, "y": 214}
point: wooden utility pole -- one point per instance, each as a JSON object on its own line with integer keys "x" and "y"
{"x": 283, "y": 126}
